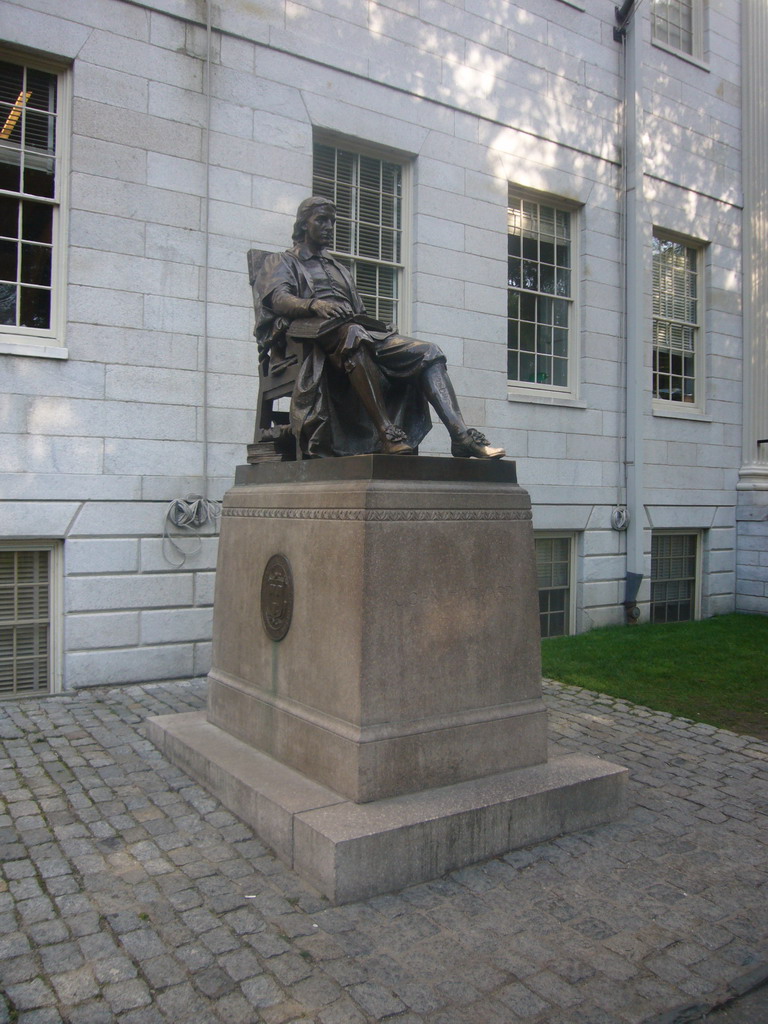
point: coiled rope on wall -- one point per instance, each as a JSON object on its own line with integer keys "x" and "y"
{"x": 190, "y": 513}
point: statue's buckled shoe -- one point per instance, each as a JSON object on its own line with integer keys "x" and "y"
{"x": 474, "y": 445}
{"x": 395, "y": 442}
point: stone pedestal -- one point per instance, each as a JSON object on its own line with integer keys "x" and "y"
{"x": 396, "y": 730}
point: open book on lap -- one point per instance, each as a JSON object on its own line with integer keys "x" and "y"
{"x": 316, "y": 327}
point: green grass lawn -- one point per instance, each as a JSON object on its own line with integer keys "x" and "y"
{"x": 713, "y": 671}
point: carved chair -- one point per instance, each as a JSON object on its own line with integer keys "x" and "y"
{"x": 278, "y": 370}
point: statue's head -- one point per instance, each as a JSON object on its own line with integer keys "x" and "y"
{"x": 305, "y": 211}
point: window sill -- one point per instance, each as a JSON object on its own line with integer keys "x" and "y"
{"x": 16, "y": 348}
{"x": 680, "y": 411}
{"x": 538, "y": 398}
{"x": 688, "y": 57}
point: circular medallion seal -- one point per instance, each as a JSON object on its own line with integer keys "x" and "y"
{"x": 277, "y": 597}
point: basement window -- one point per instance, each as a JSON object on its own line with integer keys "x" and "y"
{"x": 27, "y": 598}
{"x": 553, "y": 573}
{"x": 674, "y": 576}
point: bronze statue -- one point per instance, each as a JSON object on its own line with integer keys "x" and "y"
{"x": 361, "y": 387}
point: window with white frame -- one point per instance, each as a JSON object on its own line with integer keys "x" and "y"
{"x": 677, "y": 24}
{"x": 553, "y": 574}
{"x": 676, "y": 321}
{"x": 540, "y": 294}
{"x": 27, "y": 601}
{"x": 31, "y": 191}
{"x": 368, "y": 193}
{"x": 674, "y": 576}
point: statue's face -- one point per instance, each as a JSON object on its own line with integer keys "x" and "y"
{"x": 320, "y": 227}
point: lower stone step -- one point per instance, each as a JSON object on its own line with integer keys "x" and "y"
{"x": 350, "y": 851}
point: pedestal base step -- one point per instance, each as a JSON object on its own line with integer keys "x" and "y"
{"x": 351, "y": 851}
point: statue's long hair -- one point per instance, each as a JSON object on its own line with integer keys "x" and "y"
{"x": 304, "y": 212}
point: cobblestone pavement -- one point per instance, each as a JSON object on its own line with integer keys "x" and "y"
{"x": 750, "y": 1009}
{"x": 128, "y": 894}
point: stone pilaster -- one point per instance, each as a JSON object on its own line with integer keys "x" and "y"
{"x": 752, "y": 510}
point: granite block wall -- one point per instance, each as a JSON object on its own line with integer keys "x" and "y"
{"x": 188, "y": 147}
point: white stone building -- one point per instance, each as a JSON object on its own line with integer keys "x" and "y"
{"x": 574, "y": 210}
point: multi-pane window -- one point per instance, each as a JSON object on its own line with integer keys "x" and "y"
{"x": 676, "y": 313}
{"x": 553, "y": 572}
{"x": 29, "y": 199}
{"x": 676, "y": 24}
{"x": 539, "y": 293}
{"x": 25, "y": 621}
{"x": 673, "y": 576}
{"x": 368, "y": 193}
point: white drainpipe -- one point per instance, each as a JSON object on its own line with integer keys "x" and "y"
{"x": 631, "y": 34}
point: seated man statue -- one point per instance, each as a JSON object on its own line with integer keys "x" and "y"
{"x": 363, "y": 387}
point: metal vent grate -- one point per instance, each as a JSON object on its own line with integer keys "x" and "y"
{"x": 25, "y": 622}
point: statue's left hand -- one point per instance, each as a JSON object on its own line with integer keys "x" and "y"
{"x": 328, "y": 310}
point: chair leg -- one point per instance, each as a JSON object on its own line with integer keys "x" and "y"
{"x": 263, "y": 416}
